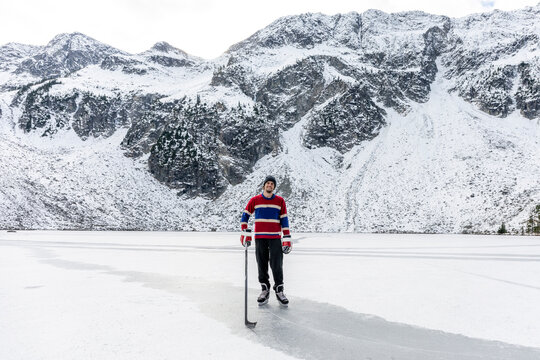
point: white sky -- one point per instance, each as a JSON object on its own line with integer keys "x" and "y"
{"x": 204, "y": 28}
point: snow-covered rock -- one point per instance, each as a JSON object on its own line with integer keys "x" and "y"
{"x": 370, "y": 122}
{"x": 64, "y": 54}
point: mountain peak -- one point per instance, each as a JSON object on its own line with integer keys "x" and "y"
{"x": 66, "y": 53}
{"x": 165, "y": 47}
{"x": 69, "y": 35}
{"x": 167, "y": 55}
{"x": 75, "y": 41}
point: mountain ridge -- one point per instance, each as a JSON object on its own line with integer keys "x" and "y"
{"x": 322, "y": 102}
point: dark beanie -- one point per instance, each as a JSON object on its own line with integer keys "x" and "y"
{"x": 270, "y": 178}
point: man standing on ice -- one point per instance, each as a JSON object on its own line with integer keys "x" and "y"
{"x": 270, "y": 221}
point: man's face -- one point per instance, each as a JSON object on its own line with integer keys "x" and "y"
{"x": 269, "y": 186}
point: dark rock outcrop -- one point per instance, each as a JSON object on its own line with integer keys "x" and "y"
{"x": 344, "y": 122}
{"x": 491, "y": 89}
{"x": 86, "y": 113}
{"x": 126, "y": 64}
{"x": 291, "y": 93}
{"x": 528, "y": 92}
{"x": 206, "y": 148}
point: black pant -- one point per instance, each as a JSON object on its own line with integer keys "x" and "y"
{"x": 269, "y": 250}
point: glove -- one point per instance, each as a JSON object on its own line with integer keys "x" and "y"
{"x": 245, "y": 238}
{"x": 286, "y": 245}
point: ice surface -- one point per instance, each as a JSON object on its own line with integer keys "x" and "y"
{"x": 134, "y": 295}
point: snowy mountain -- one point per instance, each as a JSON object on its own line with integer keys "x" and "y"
{"x": 65, "y": 54}
{"x": 370, "y": 122}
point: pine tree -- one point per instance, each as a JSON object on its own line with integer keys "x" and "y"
{"x": 536, "y": 218}
{"x": 502, "y": 229}
{"x": 530, "y": 225}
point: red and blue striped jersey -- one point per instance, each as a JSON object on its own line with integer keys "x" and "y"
{"x": 270, "y": 216}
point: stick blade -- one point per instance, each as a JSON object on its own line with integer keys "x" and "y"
{"x": 250, "y": 324}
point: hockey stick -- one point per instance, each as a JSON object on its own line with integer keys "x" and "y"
{"x": 248, "y": 323}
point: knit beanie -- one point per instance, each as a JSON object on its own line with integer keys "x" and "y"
{"x": 270, "y": 178}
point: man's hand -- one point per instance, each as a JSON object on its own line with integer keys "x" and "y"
{"x": 245, "y": 238}
{"x": 286, "y": 245}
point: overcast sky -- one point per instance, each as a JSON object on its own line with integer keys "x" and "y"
{"x": 204, "y": 28}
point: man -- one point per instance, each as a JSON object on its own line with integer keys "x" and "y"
{"x": 270, "y": 221}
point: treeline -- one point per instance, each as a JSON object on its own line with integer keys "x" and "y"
{"x": 530, "y": 227}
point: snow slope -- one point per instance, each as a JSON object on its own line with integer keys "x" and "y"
{"x": 88, "y": 184}
{"x": 428, "y": 171}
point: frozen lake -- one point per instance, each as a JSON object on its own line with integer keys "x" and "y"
{"x": 134, "y": 295}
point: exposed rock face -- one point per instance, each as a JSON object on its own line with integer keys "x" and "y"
{"x": 491, "y": 90}
{"x": 234, "y": 74}
{"x": 126, "y": 64}
{"x": 292, "y": 92}
{"x": 151, "y": 116}
{"x": 85, "y": 113}
{"x": 44, "y": 112}
{"x": 528, "y": 92}
{"x": 200, "y": 156}
{"x": 246, "y": 136}
{"x": 100, "y": 116}
{"x": 185, "y": 156}
{"x": 346, "y": 121}
{"x": 169, "y": 61}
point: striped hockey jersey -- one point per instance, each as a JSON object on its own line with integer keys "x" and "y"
{"x": 270, "y": 216}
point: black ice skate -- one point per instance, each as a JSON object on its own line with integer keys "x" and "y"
{"x": 281, "y": 296}
{"x": 265, "y": 294}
